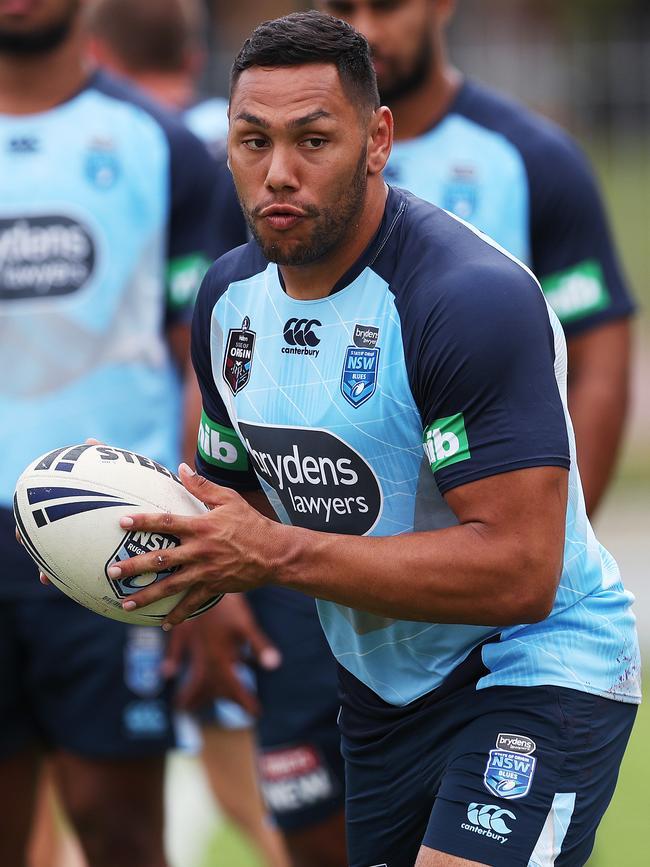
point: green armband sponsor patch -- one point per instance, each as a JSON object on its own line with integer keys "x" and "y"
{"x": 220, "y": 446}
{"x": 578, "y": 291}
{"x": 445, "y": 441}
{"x": 184, "y": 275}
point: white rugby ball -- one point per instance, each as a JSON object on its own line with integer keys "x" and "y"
{"x": 67, "y": 507}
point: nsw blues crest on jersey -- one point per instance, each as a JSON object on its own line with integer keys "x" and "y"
{"x": 360, "y": 366}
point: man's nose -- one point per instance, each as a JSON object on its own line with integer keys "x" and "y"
{"x": 282, "y": 171}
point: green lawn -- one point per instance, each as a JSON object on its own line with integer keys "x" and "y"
{"x": 229, "y": 849}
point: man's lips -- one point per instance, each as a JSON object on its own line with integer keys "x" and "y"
{"x": 281, "y": 217}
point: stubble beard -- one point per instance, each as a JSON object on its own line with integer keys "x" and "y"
{"x": 405, "y": 83}
{"x": 40, "y": 40}
{"x": 331, "y": 225}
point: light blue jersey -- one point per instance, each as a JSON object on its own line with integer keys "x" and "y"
{"x": 103, "y": 240}
{"x": 434, "y": 362}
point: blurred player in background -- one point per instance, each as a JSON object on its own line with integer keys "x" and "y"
{"x": 105, "y": 207}
{"x": 523, "y": 182}
{"x": 158, "y": 45}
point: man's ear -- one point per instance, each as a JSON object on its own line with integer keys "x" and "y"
{"x": 380, "y": 139}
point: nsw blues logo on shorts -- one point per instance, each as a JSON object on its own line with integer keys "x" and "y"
{"x": 509, "y": 772}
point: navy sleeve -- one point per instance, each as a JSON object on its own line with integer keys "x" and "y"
{"x": 221, "y": 456}
{"x": 573, "y": 253}
{"x": 483, "y": 375}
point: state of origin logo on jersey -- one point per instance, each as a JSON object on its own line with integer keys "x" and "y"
{"x": 360, "y": 366}
{"x": 238, "y": 359}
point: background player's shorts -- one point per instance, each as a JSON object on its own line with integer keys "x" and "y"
{"x": 227, "y": 714}
{"x": 506, "y": 776}
{"x": 301, "y": 768}
{"x": 80, "y": 682}
{"x": 303, "y": 781}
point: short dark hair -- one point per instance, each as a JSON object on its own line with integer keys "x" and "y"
{"x": 312, "y": 37}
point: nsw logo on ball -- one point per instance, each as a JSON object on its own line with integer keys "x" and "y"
{"x": 134, "y": 544}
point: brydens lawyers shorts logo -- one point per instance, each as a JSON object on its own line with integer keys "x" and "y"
{"x": 43, "y": 257}
{"x": 238, "y": 360}
{"x": 511, "y": 767}
{"x": 489, "y": 821}
{"x": 322, "y": 482}
{"x": 301, "y": 337}
{"x": 360, "y": 366}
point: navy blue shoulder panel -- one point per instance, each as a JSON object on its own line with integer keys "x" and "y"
{"x": 194, "y": 176}
{"x": 568, "y": 226}
{"x": 238, "y": 264}
{"x": 477, "y": 341}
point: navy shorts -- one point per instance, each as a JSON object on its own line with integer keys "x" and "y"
{"x": 505, "y": 776}
{"x": 301, "y": 767}
{"x": 82, "y": 683}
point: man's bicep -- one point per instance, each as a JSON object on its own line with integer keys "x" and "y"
{"x": 533, "y": 498}
{"x": 524, "y": 512}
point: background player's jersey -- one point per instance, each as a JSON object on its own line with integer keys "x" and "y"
{"x": 104, "y": 237}
{"x": 523, "y": 181}
{"x": 209, "y": 119}
{"x": 430, "y": 365}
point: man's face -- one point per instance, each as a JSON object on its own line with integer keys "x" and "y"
{"x": 298, "y": 152}
{"x": 35, "y": 26}
{"x": 400, "y": 33}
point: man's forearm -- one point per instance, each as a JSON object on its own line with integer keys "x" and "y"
{"x": 470, "y": 573}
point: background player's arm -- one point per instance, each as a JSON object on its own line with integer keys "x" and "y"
{"x": 574, "y": 257}
{"x": 598, "y": 392}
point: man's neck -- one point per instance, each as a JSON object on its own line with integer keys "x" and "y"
{"x": 310, "y": 282}
{"x": 31, "y": 84}
{"x": 424, "y": 107}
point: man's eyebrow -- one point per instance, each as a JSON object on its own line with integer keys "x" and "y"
{"x": 308, "y": 118}
{"x": 252, "y": 119}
